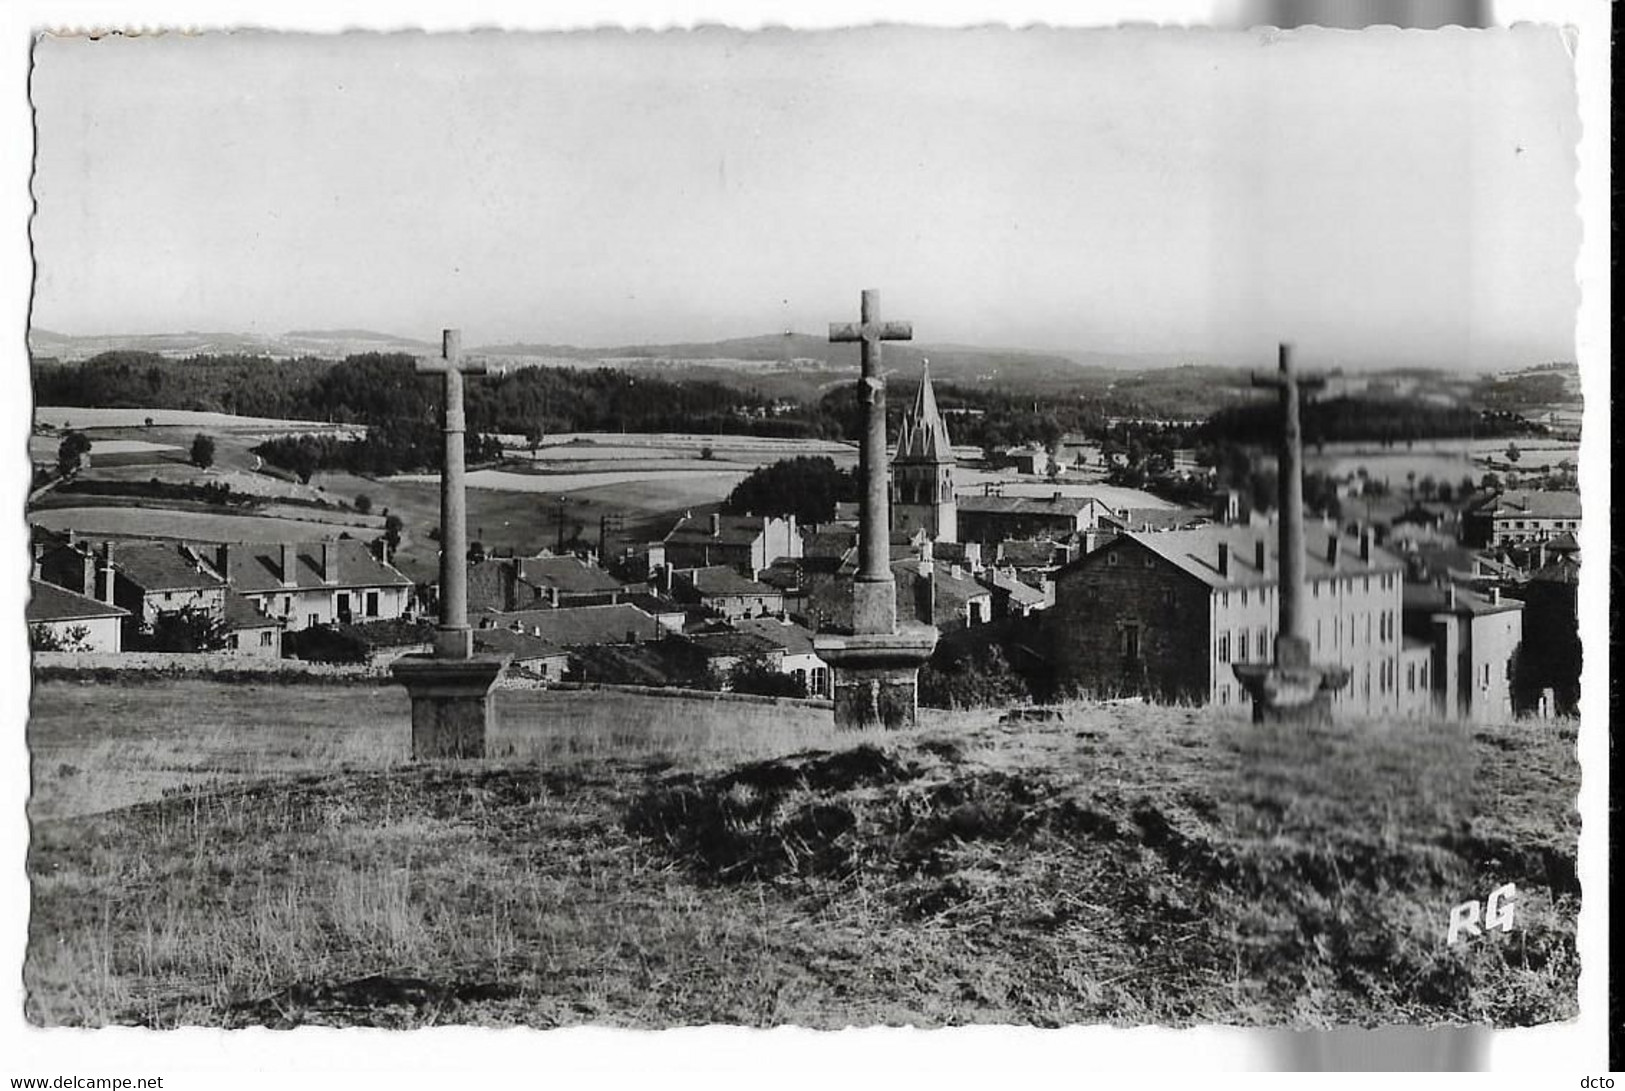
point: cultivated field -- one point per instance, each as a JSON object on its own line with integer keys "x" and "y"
{"x": 82, "y": 417}
{"x": 117, "y": 520}
{"x": 712, "y": 485}
{"x": 234, "y": 856}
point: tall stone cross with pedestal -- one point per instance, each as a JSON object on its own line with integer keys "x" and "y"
{"x": 450, "y": 687}
{"x": 1291, "y": 689}
{"x": 877, "y": 665}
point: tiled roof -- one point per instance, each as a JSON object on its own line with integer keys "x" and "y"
{"x": 720, "y": 579}
{"x": 568, "y": 574}
{"x": 924, "y": 436}
{"x": 1027, "y": 505}
{"x": 48, "y": 602}
{"x": 1028, "y": 553}
{"x": 792, "y": 638}
{"x": 520, "y": 646}
{"x": 241, "y": 613}
{"x": 653, "y": 604}
{"x": 1018, "y": 591}
{"x": 570, "y": 626}
{"x": 255, "y": 568}
{"x": 736, "y": 530}
{"x": 1196, "y": 552}
{"x": 740, "y": 643}
{"x": 1532, "y": 503}
{"x": 1157, "y": 518}
{"x": 156, "y": 566}
{"x": 1431, "y": 599}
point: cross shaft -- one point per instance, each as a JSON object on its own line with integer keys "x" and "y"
{"x": 874, "y": 526}
{"x": 453, "y": 638}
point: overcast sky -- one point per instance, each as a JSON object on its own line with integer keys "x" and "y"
{"x": 1377, "y": 198}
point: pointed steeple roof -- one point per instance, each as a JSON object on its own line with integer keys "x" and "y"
{"x": 924, "y": 435}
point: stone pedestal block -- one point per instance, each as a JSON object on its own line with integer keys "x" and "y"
{"x": 874, "y": 606}
{"x": 1291, "y": 690}
{"x": 877, "y": 675}
{"x": 451, "y": 702}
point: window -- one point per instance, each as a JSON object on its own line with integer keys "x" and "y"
{"x": 1241, "y": 646}
{"x": 1131, "y": 641}
{"x": 372, "y": 604}
{"x": 169, "y": 596}
{"x": 1224, "y": 599}
{"x": 287, "y": 605}
{"x": 1486, "y": 681}
{"x": 1111, "y": 558}
{"x": 266, "y": 639}
{"x": 1410, "y": 678}
{"x": 231, "y": 642}
{"x": 1224, "y": 647}
{"x": 1244, "y": 596}
{"x": 315, "y": 619}
{"x": 1148, "y": 562}
{"x": 1422, "y": 676}
{"x": 1366, "y": 584}
{"x": 1314, "y": 588}
{"x": 1224, "y": 695}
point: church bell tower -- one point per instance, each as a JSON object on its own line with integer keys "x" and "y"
{"x": 922, "y": 471}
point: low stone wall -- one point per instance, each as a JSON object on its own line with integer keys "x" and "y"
{"x": 693, "y": 694}
{"x": 222, "y": 665}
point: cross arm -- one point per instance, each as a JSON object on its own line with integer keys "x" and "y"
{"x": 1302, "y": 382}
{"x": 871, "y": 331}
{"x": 435, "y": 365}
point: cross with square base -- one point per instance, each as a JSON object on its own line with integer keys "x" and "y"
{"x": 454, "y": 639}
{"x": 874, "y": 523}
{"x": 451, "y": 689}
{"x": 1290, "y": 689}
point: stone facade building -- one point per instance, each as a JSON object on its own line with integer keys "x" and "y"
{"x": 748, "y": 543}
{"x": 1166, "y": 614}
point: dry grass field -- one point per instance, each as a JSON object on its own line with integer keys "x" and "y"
{"x": 227, "y": 856}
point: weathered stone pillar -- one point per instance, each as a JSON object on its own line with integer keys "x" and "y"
{"x": 450, "y": 688}
{"x": 877, "y": 666}
{"x": 1291, "y": 689}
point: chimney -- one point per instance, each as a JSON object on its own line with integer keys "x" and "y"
{"x": 290, "y": 557}
{"x": 553, "y": 596}
{"x": 1332, "y": 549}
{"x": 222, "y": 557}
{"x": 380, "y": 549}
{"x": 1540, "y": 555}
{"x": 1259, "y": 554}
{"x": 1495, "y": 596}
{"x": 1450, "y": 595}
{"x": 330, "y": 562}
{"x": 88, "y": 580}
{"x": 39, "y": 553}
{"x": 1365, "y": 543}
{"x": 1224, "y": 558}
{"x": 716, "y": 525}
{"x": 107, "y": 580}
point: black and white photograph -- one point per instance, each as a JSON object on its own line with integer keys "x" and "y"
{"x": 859, "y": 526}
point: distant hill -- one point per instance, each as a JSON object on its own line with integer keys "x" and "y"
{"x": 327, "y": 344}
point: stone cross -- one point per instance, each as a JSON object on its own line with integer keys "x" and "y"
{"x": 451, "y": 688}
{"x": 877, "y": 665}
{"x": 453, "y": 639}
{"x": 1290, "y": 502}
{"x": 875, "y": 597}
{"x": 1291, "y": 690}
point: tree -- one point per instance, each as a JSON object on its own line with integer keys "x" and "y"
{"x": 392, "y": 531}
{"x": 363, "y": 503}
{"x": 1513, "y": 454}
{"x": 756, "y": 675}
{"x": 807, "y": 488}
{"x": 1491, "y": 482}
{"x": 533, "y": 438}
{"x": 202, "y": 451}
{"x": 43, "y": 638}
{"x": 73, "y": 453}
{"x": 185, "y": 630}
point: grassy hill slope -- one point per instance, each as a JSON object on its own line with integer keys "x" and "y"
{"x": 653, "y": 862}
